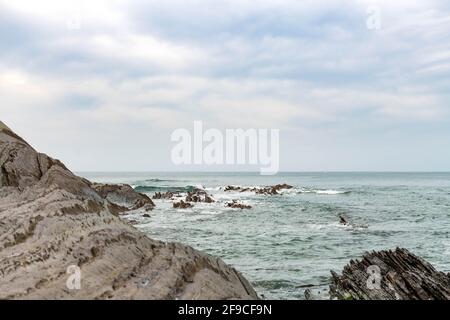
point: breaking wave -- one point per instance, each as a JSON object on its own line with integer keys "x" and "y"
{"x": 149, "y": 189}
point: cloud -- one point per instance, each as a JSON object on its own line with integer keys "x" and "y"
{"x": 128, "y": 72}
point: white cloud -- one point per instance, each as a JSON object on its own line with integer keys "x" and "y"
{"x": 146, "y": 68}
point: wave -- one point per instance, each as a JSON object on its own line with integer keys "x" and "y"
{"x": 325, "y": 192}
{"x": 331, "y": 192}
{"x": 160, "y": 180}
{"x": 148, "y": 189}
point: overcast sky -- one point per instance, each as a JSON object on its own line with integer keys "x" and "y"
{"x": 102, "y": 84}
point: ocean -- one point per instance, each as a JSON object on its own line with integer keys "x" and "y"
{"x": 288, "y": 243}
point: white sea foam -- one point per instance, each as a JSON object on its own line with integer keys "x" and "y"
{"x": 325, "y": 192}
{"x": 331, "y": 192}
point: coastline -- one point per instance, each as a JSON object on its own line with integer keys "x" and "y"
{"x": 53, "y": 220}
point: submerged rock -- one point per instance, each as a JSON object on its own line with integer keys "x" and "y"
{"x": 182, "y": 205}
{"x": 169, "y": 195}
{"x": 343, "y": 220}
{"x": 236, "y": 205}
{"x": 53, "y": 223}
{"x": 390, "y": 275}
{"x": 269, "y": 190}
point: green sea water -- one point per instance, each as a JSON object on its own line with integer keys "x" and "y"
{"x": 288, "y": 243}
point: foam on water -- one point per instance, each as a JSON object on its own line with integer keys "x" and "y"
{"x": 289, "y": 242}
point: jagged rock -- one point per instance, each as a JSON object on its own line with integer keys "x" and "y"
{"x": 167, "y": 195}
{"x": 390, "y": 275}
{"x": 269, "y": 190}
{"x": 52, "y": 222}
{"x": 232, "y": 188}
{"x": 124, "y": 195}
{"x": 182, "y": 205}
{"x": 199, "y": 196}
{"x": 234, "y": 204}
{"x": 343, "y": 220}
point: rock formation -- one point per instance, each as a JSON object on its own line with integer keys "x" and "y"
{"x": 199, "y": 196}
{"x": 182, "y": 205}
{"x": 236, "y": 205}
{"x": 55, "y": 225}
{"x": 167, "y": 195}
{"x": 123, "y": 195}
{"x": 390, "y": 275}
{"x": 268, "y": 190}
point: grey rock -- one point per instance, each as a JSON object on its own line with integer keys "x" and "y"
{"x": 51, "y": 220}
{"x": 390, "y": 275}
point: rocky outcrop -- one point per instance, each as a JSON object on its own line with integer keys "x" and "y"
{"x": 199, "y": 196}
{"x": 169, "y": 195}
{"x": 390, "y": 275}
{"x": 269, "y": 190}
{"x": 55, "y": 226}
{"x": 182, "y": 205}
{"x": 124, "y": 195}
{"x": 236, "y": 205}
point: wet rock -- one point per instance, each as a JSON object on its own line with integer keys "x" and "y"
{"x": 124, "y": 195}
{"x": 52, "y": 220}
{"x": 146, "y": 215}
{"x": 269, "y": 190}
{"x": 343, "y": 220}
{"x": 169, "y": 195}
{"x": 236, "y": 205}
{"x": 232, "y": 188}
{"x": 182, "y": 205}
{"x": 390, "y": 275}
{"x": 199, "y": 196}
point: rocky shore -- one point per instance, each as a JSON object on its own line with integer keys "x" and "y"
{"x": 390, "y": 275}
{"x": 52, "y": 221}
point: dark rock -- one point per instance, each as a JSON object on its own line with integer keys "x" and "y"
{"x": 269, "y": 190}
{"x": 169, "y": 195}
{"x": 234, "y": 204}
{"x": 146, "y": 215}
{"x": 199, "y": 196}
{"x": 182, "y": 205}
{"x": 390, "y": 275}
{"x": 343, "y": 220}
{"x": 123, "y": 195}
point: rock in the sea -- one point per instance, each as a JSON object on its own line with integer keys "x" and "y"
{"x": 124, "y": 195}
{"x": 390, "y": 275}
{"x": 166, "y": 195}
{"x": 269, "y": 190}
{"x": 236, "y": 205}
{"x": 343, "y": 220}
{"x": 56, "y": 228}
{"x": 199, "y": 196}
{"x": 182, "y": 205}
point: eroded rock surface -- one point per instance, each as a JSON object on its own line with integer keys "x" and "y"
{"x": 124, "y": 195}
{"x": 51, "y": 219}
{"x": 390, "y": 275}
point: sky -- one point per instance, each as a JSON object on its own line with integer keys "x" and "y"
{"x": 101, "y": 85}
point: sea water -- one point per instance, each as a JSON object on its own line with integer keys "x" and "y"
{"x": 288, "y": 243}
